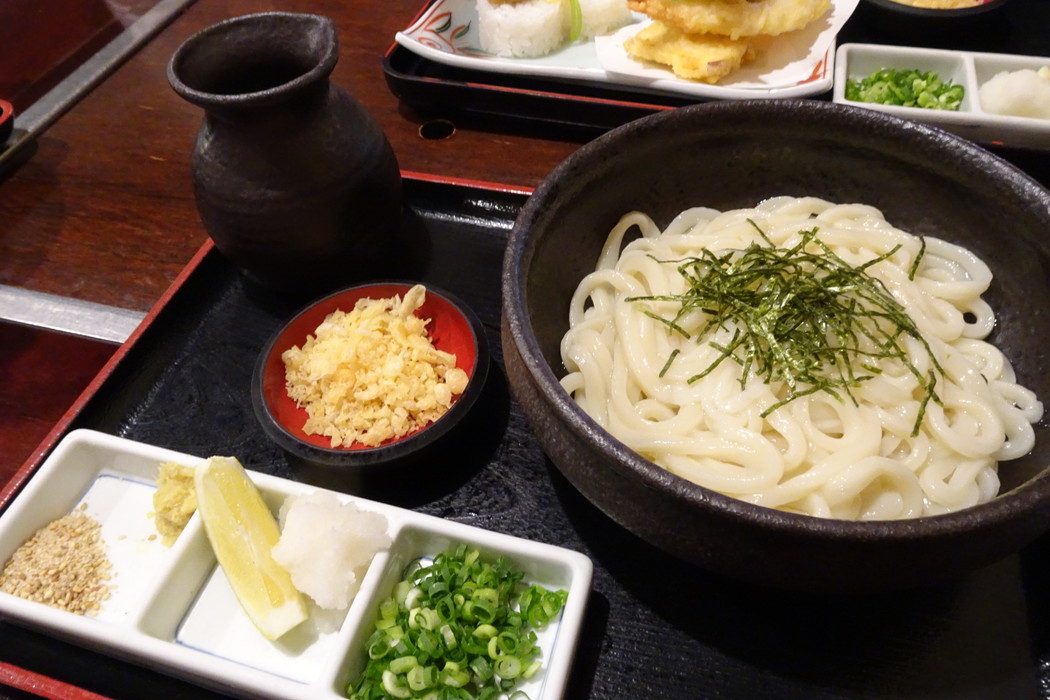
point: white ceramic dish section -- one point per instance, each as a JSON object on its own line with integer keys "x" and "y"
{"x": 173, "y": 610}
{"x": 795, "y": 64}
{"x": 969, "y": 69}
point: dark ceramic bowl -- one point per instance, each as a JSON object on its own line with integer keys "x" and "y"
{"x": 734, "y": 154}
{"x": 453, "y": 328}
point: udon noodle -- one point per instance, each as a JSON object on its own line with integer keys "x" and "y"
{"x": 880, "y": 449}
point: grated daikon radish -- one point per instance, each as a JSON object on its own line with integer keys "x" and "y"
{"x": 326, "y": 545}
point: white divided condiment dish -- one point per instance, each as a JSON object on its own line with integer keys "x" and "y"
{"x": 172, "y": 609}
{"x": 969, "y": 69}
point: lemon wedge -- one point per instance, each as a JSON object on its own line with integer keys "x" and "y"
{"x": 242, "y": 531}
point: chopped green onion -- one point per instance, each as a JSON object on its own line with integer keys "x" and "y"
{"x": 424, "y": 618}
{"x": 388, "y": 610}
{"x": 485, "y": 632}
{"x": 482, "y": 668}
{"x": 448, "y": 636}
{"x": 392, "y": 686}
{"x": 461, "y": 627}
{"x": 428, "y": 642}
{"x": 378, "y": 647}
{"x": 531, "y": 669}
{"x": 454, "y": 676}
{"x": 906, "y": 88}
{"x": 403, "y": 664}
{"x": 401, "y": 592}
{"x": 508, "y": 667}
{"x": 421, "y": 677}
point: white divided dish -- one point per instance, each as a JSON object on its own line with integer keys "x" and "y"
{"x": 969, "y": 69}
{"x": 172, "y": 609}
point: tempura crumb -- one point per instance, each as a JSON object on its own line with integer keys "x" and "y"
{"x": 372, "y": 374}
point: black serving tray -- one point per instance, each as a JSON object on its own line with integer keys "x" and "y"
{"x": 655, "y": 627}
{"x": 440, "y": 91}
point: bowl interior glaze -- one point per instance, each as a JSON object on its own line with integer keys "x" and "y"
{"x": 734, "y": 154}
{"x": 452, "y": 328}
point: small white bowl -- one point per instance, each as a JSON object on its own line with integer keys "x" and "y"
{"x": 172, "y": 609}
{"x": 966, "y": 68}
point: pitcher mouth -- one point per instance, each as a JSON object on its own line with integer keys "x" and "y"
{"x": 254, "y": 59}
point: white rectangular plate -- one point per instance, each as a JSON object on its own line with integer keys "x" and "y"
{"x": 173, "y": 610}
{"x": 791, "y": 65}
{"x": 966, "y": 68}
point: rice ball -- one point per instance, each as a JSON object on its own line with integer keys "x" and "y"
{"x": 326, "y": 546}
{"x": 603, "y": 16}
{"x": 522, "y": 29}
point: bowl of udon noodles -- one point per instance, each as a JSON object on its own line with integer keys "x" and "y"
{"x": 797, "y": 343}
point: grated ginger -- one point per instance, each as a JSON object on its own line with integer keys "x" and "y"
{"x": 372, "y": 374}
{"x": 174, "y": 501}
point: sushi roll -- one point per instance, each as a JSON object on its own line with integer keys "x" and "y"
{"x": 532, "y": 28}
{"x": 603, "y": 16}
{"x": 522, "y": 28}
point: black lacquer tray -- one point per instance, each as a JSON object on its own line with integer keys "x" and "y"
{"x": 438, "y": 90}
{"x": 655, "y": 627}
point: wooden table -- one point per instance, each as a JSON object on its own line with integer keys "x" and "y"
{"x": 103, "y": 210}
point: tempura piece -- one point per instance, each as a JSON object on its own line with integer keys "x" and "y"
{"x": 733, "y": 18}
{"x": 704, "y": 57}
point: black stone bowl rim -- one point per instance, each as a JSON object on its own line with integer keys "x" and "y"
{"x": 1001, "y": 510}
{"x": 259, "y": 22}
{"x": 363, "y": 459}
{"x": 930, "y": 13}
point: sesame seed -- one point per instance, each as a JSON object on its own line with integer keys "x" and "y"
{"x": 63, "y": 565}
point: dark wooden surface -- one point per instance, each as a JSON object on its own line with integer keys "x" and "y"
{"x": 103, "y": 210}
{"x": 41, "y": 373}
{"x": 36, "y": 52}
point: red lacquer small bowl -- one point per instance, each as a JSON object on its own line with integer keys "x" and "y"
{"x": 7, "y": 121}
{"x": 453, "y": 328}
